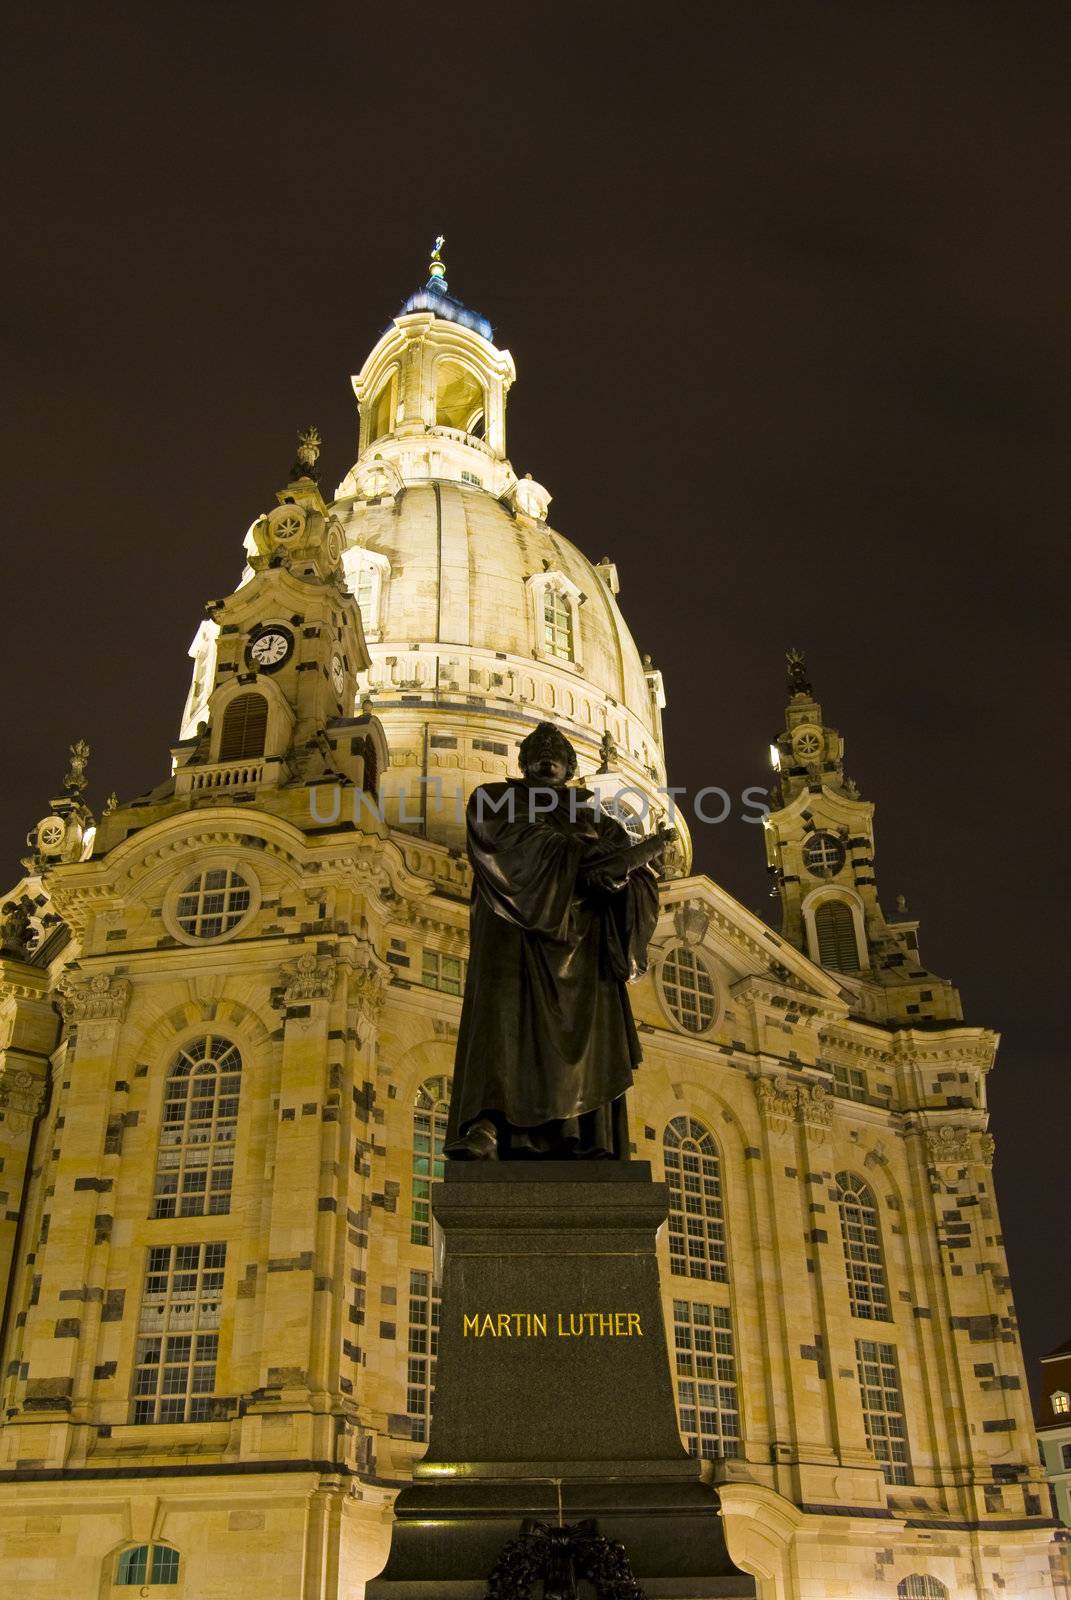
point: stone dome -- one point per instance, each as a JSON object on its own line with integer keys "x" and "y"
{"x": 480, "y": 619}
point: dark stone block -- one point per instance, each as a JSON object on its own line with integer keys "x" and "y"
{"x": 551, "y": 1314}
{"x": 112, "y": 1310}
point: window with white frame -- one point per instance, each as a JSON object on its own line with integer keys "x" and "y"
{"x": 366, "y": 573}
{"x": 148, "y": 1564}
{"x": 213, "y": 903}
{"x": 558, "y": 637}
{"x": 431, "y": 1106}
{"x": 620, "y": 812}
{"x": 177, "y": 1347}
{"x": 696, "y": 1220}
{"x": 195, "y": 1159}
{"x": 883, "y": 1408}
{"x": 689, "y": 989}
{"x": 707, "y": 1401}
{"x": 424, "y": 1311}
{"x": 1061, "y": 1402}
{"x": 868, "y": 1291}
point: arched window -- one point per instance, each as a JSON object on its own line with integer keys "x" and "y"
{"x": 696, "y": 1221}
{"x": 860, "y": 1232}
{"x": 148, "y": 1563}
{"x": 557, "y": 624}
{"x": 459, "y": 398}
{"x": 245, "y": 728}
{"x": 430, "y": 1108}
{"x": 920, "y": 1586}
{"x": 835, "y": 931}
{"x": 624, "y": 814}
{"x": 381, "y": 420}
{"x": 196, "y": 1155}
{"x": 688, "y": 987}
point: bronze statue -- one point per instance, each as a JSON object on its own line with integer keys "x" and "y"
{"x": 563, "y": 906}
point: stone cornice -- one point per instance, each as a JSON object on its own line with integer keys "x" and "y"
{"x": 975, "y": 1047}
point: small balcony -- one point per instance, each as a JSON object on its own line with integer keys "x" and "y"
{"x": 221, "y": 775}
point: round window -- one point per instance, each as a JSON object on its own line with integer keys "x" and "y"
{"x": 689, "y": 990}
{"x": 824, "y": 855}
{"x": 213, "y": 903}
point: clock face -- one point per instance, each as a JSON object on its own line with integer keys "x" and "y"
{"x": 271, "y": 648}
{"x": 338, "y": 674}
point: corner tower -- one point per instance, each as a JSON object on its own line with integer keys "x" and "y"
{"x": 820, "y": 849}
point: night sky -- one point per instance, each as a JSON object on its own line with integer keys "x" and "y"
{"x": 787, "y": 292}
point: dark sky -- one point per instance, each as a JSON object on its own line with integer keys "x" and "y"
{"x": 787, "y": 292}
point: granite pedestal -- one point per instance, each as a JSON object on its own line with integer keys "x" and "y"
{"x": 553, "y": 1396}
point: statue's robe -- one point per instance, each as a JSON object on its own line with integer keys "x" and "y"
{"x": 547, "y": 1043}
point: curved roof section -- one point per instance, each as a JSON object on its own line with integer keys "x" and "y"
{"x": 502, "y": 553}
{"x": 435, "y": 298}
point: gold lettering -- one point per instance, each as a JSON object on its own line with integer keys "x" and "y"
{"x": 619, "y": 1325}
{"x": 561, "y": 1330}
{"x": 504, "y": 1329}
{"x": 472, "y": 1325}
{"x": 606, "y": 1323}
{"x": 488, "y": 1323}
{"x": 634, "y": 1324}
{"x": 576, "y": 1324}
{"x": 540, "y": 1323}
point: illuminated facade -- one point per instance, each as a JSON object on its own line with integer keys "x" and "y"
{"x": 227, "y": 1015}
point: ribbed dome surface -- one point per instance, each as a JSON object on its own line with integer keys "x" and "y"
{"x": 460, "y": 562}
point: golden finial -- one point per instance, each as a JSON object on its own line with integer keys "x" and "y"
{"x": 437, "y": 267}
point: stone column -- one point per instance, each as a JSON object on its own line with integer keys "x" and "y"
{"x": 71, "y": 1253}
{"x": 278, "y": 1421}
{"x": 986, "y": 1399}
{"x": 28, "y": 1028}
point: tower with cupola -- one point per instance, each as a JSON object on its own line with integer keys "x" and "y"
{"x": 821, "y": 855}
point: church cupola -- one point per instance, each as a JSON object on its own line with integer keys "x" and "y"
{"x": 820, "y": 851}
{"x": 432, "y": 398}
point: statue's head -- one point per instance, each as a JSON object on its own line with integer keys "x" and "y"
{"x": 547, "y": 756}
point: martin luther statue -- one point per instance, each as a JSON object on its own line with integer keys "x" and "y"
{"x": 563, "y": 905}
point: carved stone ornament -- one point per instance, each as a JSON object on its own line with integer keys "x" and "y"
{"x": 986, "y": 1148}
{"x": 776, "y": 1102}
{"x": 691, "y": 921}
{"x": 21, "y": 1097}
{"x": 101, "y": 999}
{"x": 368, "y": 990}
{"x": 814, "y": 1107}
{"x": 948, "y": 1145}
{"x": 309, "y": 978}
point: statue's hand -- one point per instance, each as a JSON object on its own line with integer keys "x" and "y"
{"x": 605, "y": 879}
